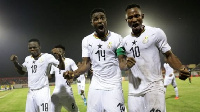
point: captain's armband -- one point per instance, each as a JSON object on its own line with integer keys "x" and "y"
{"x": 120, "y": 51}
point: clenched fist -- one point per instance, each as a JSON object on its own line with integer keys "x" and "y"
{"x": 184, "y": 74}
{"x": 69, "y": 76}
{"x": 13, "y": 58}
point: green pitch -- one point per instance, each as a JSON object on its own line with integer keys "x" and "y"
{"x": 189, "y": 96}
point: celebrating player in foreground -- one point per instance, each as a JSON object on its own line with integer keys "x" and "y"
{"x": 146, "y": 89}
{"x": 62, "y": 94}
{"x": 170, "y": 79}
{"x": 38, "y": 98}
{"x": 100, "y": 49}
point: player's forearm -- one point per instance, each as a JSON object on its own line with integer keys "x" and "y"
{"x": 125, "y": 63}
{"x": 81, "y": 70}
{"x": 174, "y": 62}
{"x": 61, "y": 63}
{"x": 18, "y": 67}
{"x": 50, "y": 76}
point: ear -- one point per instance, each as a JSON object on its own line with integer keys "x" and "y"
{"x": 142, "y": 16}
{"x": 91, "y": 23}
{"x": 126, "y": 18}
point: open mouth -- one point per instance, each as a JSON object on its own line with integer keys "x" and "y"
{"x": 101, "y": 27}
{"x": 135, "y": 25}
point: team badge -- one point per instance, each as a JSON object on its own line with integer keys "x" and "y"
{"x": 109, "y": 45}
{"x": 145, "y": 40}
{"x": 41, "y": 60}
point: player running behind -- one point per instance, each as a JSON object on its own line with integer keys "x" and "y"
{"x": 62, "y": 93}
{"x": 170, "y": 79}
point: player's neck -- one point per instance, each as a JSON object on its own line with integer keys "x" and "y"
{"x": 138, "y": 33}
{"x": 36, "y": 57}
{"x": 103, "y": 37}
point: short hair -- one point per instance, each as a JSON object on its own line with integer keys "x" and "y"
{"x": 97, "y": 10}
{"x": 60, "y": 46}
{"x": 34, "y": 40}
{"x": 132, "y": 6}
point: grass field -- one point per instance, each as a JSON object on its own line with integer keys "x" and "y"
{"x": 189, "y": 101}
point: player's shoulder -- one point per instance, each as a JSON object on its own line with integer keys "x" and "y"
{"x": 127, "y": 38}
{"x": 114, "y": 34}
{"x": 89, "y": 36}
{"x": 115, "y": 37}
{"x": 28, "y": 57}
{"x": 46, "y": 55}
{"x": 69, "y": 60}
{"x": 155, "y": 30}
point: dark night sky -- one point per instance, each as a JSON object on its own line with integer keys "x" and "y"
{"x": 67, "y": 22}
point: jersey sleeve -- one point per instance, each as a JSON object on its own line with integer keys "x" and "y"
{"x": 73, "y": 65}
{"x": 164, "y": 65}
{"x": 120, "y": 44}
{"x": 52, "y": 70}
{"x": 162, "y": 41}
{"x": 85, "y": 51}
{"x": 51, "y": 59}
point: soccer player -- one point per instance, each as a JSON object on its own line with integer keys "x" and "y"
{"x": 62, "y": 94}
{"x": 170, "y": 79}
{"x": 36, "y": 64}
{"x": 100, "y": 49}
{"x": 190, "y": 78}
{"x": 146, "y": 88}
{"x": 81, "y": 85}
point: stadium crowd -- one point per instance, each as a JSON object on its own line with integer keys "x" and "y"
{"x": 13, "y": 80}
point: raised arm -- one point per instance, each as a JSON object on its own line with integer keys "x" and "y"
{"x": 56, "y": 51}
{"x": 18, "y": 67}
{"x": 61, "y": 63}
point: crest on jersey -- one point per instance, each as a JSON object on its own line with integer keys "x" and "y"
{"x": 41, "y": 60}
{"x": 145, "y": 40}
{"x": 109, "y": 45}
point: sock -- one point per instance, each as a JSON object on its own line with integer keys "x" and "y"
{"x": 82, "y": 96}
{"x": 176, "y": 91}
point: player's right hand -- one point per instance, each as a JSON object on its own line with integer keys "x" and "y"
{"x": 184, "y": 74}
{"x": 68, "y": 75}
{"x": 13, "y": 58}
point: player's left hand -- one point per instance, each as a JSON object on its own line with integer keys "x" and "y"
{"x": 184, "y": 74}
{"x": 130, "y": 62}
